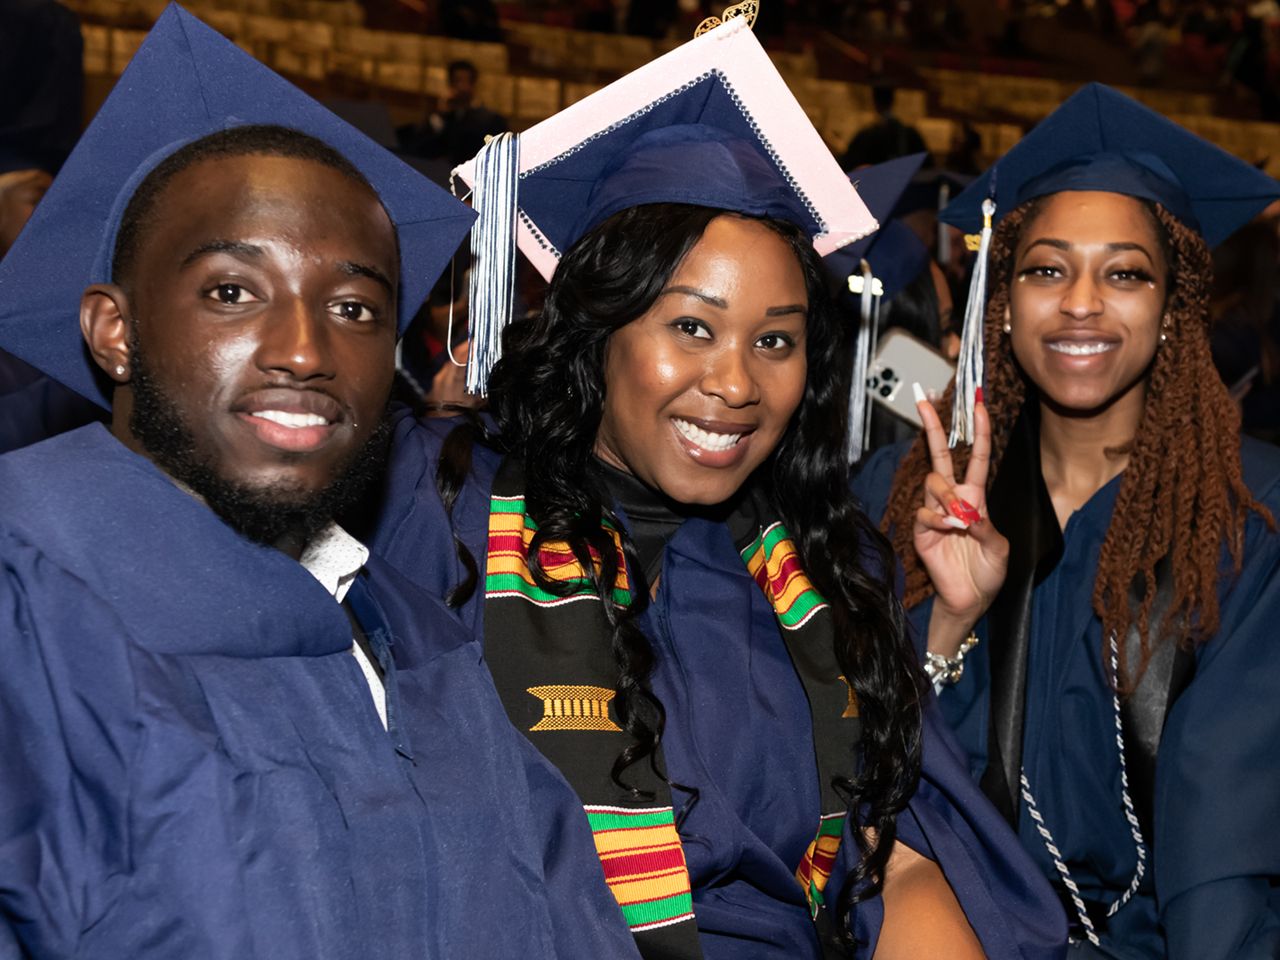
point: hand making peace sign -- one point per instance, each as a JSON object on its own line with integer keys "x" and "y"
{"x": 965, "y": 556}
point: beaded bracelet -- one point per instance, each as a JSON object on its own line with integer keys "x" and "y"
{"x": 948, "y": 670}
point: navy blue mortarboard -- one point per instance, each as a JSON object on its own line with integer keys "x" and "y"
{"x": 185, "y": 82}
{"x": 711, "y": 123}
{"x": 894, "y": 252}
{"x": 1100, "y": 139}
{"x": 874, "y": 269}
{"x": 931, "y": 190}
{"x": 896, "y": 258}
{"x": 716, "y": 169}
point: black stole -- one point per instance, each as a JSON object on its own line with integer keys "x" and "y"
{"x": 1035, "y": 547}
{"x": 552, "y": 662}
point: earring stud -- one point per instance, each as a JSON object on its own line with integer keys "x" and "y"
{"x": 1008, "y": 327}
{"x": 120, "y": 369}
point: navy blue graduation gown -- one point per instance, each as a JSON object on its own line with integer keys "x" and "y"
{"x": 1214, "y": 893}
{"x": 191, "y": 764}
{"x": 739, "y": 730}
{"x": 34, "y": 406}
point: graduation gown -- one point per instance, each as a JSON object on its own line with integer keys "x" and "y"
{"x": 191, "y": 764}
{"x": 33, "y": 406}
{"x": 1215, "y": 849}
{"x": 739, "y": 731}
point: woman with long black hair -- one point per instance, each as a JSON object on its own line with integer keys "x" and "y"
{"x": 680, "y": 603}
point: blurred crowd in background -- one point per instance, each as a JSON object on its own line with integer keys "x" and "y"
{"x": 1227, "y": 53}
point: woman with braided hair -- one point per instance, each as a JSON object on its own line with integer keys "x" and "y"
{"x": 1113, "y": 688}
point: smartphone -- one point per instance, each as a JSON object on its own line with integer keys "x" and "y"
{"x": 900, "y": 361}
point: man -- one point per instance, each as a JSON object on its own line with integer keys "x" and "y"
{"x": 458, "y": 129}
{"x": 222, "y": 734}
{"x": 886, "y": 139}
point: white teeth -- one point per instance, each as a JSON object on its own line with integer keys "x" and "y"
{"x": 712, "y": 442}
{"x": 292, "y": 419}
{"x": 1081, "y": 348}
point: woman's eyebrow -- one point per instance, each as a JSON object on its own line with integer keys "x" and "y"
{"x": 724, "y": 305}
{"x": 1053, "y": 242}
{"x": 691, "y": 292}
{"x": 1066, "y": 245}
{"x": 1129, "y": 245}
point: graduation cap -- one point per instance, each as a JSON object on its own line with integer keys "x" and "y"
{"x": 711, "y": 123}
{"x": 1100, "y": 139}
{"x": 874, "y": 269}
{"x": 185, "y": 82}
{"x": 932, "y": 190}
{"x": 894, "y": 260}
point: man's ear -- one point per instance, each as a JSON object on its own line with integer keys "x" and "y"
{"x": 104, "y": 323}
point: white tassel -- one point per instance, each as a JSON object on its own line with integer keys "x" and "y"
{"x": 969, "y": 365}
{"x": 493, "y": 255}
{"x": 859, "y": 434}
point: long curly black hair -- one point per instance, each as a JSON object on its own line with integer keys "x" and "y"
{"x": 547, "y": 398}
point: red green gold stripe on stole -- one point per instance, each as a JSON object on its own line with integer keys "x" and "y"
{"x": 815, "y": 868}
{"x": 643, "y": 864}
{"x": 507, "y": 571}
{"x": 773, "y": 561}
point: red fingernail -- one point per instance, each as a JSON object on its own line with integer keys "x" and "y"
{"x": 977, "y": 395}
{"x": 963, "y": 510}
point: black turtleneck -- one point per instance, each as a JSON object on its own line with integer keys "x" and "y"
{"x": 652, "y": 518}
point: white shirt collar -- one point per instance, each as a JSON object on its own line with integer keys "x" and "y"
{"x": 334, "y": 557}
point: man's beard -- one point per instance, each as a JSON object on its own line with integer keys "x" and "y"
{"x": 266, "y": 514}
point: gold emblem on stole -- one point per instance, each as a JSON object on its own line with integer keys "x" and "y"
{"x": 573, "y": 707}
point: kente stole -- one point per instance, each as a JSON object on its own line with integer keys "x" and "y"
{"x": 552, "y": 662}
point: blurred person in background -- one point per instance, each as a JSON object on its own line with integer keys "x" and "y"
{"x": 41, "y": 82}
{"x": 885, "y": 139}
{"x": 456, "y": 129}
{"x": 1252, "y": 57}
{"x": 1246, "y": 335}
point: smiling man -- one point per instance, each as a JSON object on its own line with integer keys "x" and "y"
{"x": 226, "y": 730}
{"x": 268, "y": 399}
